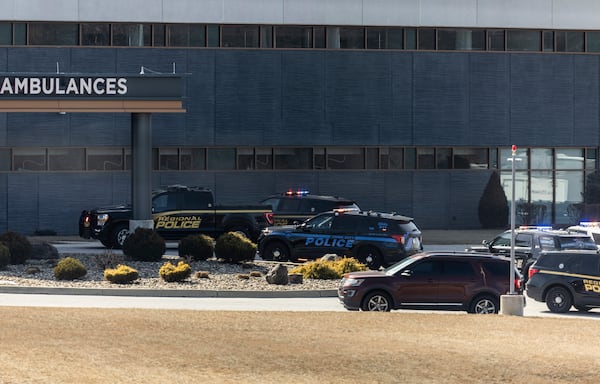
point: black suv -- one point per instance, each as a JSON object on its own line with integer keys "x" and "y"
{"x": 432, "y": 280}
{"x": 565, "y": 279}
{"x": 531, "y": 241}
{"x": 294, "y": 207}
{"x": 373, "y": 238}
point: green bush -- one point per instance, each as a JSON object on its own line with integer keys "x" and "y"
{"x": 4, "y": 256}
{"x": 123, "y": 274}
{"x": 232, "y": 247}
{"x": 144, "y": 245}
{"x": 69, "y": 268}
{"x": 198, "y": 247}
{"x": 19, "y": 246}
{"x": 327, "y": 270}
{"x": 170, "y": 273}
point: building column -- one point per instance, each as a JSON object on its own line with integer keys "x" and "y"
{"x": 141, "y": 171}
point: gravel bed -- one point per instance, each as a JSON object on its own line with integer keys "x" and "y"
{"x": 222, "y": 276}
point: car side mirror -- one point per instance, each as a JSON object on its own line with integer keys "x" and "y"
{"x": 305, "y": 227}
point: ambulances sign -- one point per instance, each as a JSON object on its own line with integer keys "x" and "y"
{"x": 91, "y": 87}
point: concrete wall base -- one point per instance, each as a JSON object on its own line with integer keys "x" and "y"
{"x": 512, "y": 305}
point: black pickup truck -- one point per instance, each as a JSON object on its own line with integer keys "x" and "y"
{"x": 177, "y": 211}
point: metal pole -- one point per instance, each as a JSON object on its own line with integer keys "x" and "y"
{"x": 512, "y": 225}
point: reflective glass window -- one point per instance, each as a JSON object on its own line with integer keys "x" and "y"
{"x": 266, "y": 36}
{"x": 95, "y": 34}
{"x": 131, "y": 35}
{"x": 293, "y": 37}
{"x": 220, "y": 158}
{"x": 461, "y": 39}
{"x": 239, "y": 36}
{"x": 104, "y": 159}
{"x": 590, "y": 158}
{"x": 426, "y": 39}
{"x": 385, "y": 38}
{"x": 540, "y": 209}
{"x": 245, "y": 158}
{"x": 66, "y": 159}
{"x": 5, "y": 34}
{"x": 5, "y": 159}
{"x": 521, "y": 158}
{"x": 264, "y": 158}
{"x": 19, "y": 33}
{"x": 293, "y": 158}
{"x": 593, "y": 41}
{"x": 541, "y": 158}
{"x": 410, "y": 158}
{"x": 474, "y": 158}
{"x": 213, "y": 35}
{"x": 569, "y": 41}
{"x": 523, "y": 40}
{"x": 29, "y": 159}
{"x": 425, "y": 158}
{"x": 345, "y": 158}
{"x": 567, "y": 158}
{"x": 495, "y": 39}
{"x": 548, "y": 41}
{"x": 319, "y": 158}
{"x": 568, "y": 196}
{"x": 193, "y": 159}
{"x": 158, "y": 35}
{"x": 411, "y": 38}
{"x": 371, "y": 158}
{"x": 443, "y": 158}
{"x": 319, "y": 40}
{"x": 185, "y": 35}
{"x": 345, "y": 37}
{"x": 53, "y": 34}
{"x": 168, "y": 159}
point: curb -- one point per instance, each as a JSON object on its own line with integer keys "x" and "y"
{"x": 168, "y": 292}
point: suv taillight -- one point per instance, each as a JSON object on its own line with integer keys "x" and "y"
{"x": 399, "y": 238}
{"x": 517, "y": 284}
{"x": 269, "y": 217}
{"x": 532, "y": 271}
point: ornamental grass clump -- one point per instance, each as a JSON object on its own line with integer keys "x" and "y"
{"x": 198, "y": 247}
{"x": 144, "y": 245}
{"x": 232, "y": 247}
{"x": 122, "y": 274}
{"x": 171, "y": 273}
{"x": 327, "y": 270}
{"x": 69, "y": 268}
{"x": 19, "y": 246}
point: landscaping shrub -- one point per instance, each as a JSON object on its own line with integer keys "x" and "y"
{"x": 19, "y": 246}
{"x": 123, "y": 274}
{"x": 69, "y": 268}
{"x": 326, "y": 270}
{"x": 144, "y": 245}
{"x": 4, "y": 256}
{"x": 198, "y": 247}
{"x": 232, "y": 247}
{"x": 170, "y": 273}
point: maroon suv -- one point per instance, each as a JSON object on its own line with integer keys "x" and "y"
{"x": 471, "y": 282}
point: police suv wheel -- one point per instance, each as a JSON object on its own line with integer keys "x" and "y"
{"x": 119, "y": 235}
{"x": 370, "y": 257}
{"x": 277, "y": 251}
{"x": 558, "y": 300}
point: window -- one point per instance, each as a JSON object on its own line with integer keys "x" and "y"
{"x": 29, "y": 159}
{"x": 473, "y": 158}
{"x": 593, "y": 42}
{"x": 345, "y": 37}
{"x": 5, "y": 33}
{"x": 411, "y": 38}
{"x": 245, "y": 158}
{"x": 213, "y": 35}
{"x": 221, "y": 158}
{"x": 95, "y": 34}
{"x": 158, "y": 35}
{"x": 523, "y": 240}
{"x": 293, "y": 37}
{"x": 495, "y": 39}
{"x": 427, "y": 39}
{"x": 293, "y": 158}
{"x": 457, "y": 269}
{"x": 266, "y": 36}
{"x": 461, "y": 39}
{"x": 185, "y": 35}
{"x": 53, "y": 34}
{"x": 168, "y": 159}
{"x": 425, "y": 158}
{"x": 104, "y": 159}
{"x": 240, "y": 36}
{"x": 5, "y": 159}
{"x": 443, "y": 158}
{"x": 567, "y": 158}
{"x": 569, "y": 41}
{"x": 345, "y": 158}
{"x": 548, "y": 41}
{"x": 521, "y": 40}
{"x": 66, "y": 159}
{"x": 264, "y": 158}
{"x": 193, "y": 159}
{"x": 131, "y": 35}
{"x": 385, "y": 38}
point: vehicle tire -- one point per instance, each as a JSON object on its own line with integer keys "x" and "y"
{"x": 558, "y": 300}
{"x": 484, "y": 305}
{"x": 119, "y": 234}
{"x": 370, "y": 257}
{"x": 277, "y": 251}
{"x": 377, "y": 301}
{"x": 582, "y": 308}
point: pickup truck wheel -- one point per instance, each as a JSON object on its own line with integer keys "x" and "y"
{"x": 277, "y": 251}
{"x": 119, "y": 234}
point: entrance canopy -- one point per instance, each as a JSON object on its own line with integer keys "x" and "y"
{"x": 91, "y": 93}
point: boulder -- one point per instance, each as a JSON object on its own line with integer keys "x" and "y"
{"x": 295, "y": 278}
{"x": 278, "y": 275}
{"x": 43, "y": 251}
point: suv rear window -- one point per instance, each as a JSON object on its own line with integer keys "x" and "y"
{"x": 583, "y": 242}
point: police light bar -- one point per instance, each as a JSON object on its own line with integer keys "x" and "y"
{"x": 589, "y": 224}
{"x": 536, "y": 227}
{"x": 299, "y": 192}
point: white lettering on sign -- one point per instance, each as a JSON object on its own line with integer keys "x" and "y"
{"x": 85, "y": 86}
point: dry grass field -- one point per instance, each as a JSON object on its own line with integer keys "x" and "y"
{"x": 57, "y": 345}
